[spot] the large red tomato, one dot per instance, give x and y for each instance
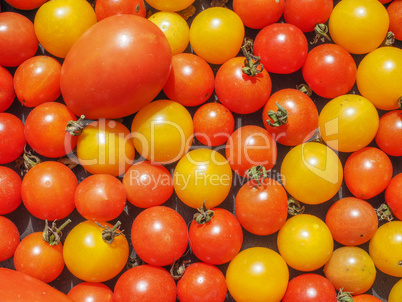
(117, 67)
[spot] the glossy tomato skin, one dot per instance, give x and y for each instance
(259, 13)
(302, 120)
(395, 294)
(45, 130)
(389, 133)
(191, 80)
(9, 239)
(366, 298)
(170, 5)
(393, 197)
(308, 288)
(87, 291)
(282, 47)
(10, 190)
(48, 190)
(202, 282)
(18, 41)
(90, 258)
(239, 92)
(329, 70)
(262, 209)
(107, 8)
(88, 87)
(12, 137)
(145, 283)
(257, 274)
(26, 4)
(37, 80)
(159, 235)
(394, 10)
(368, 172)
(7, 93)
(217, 241)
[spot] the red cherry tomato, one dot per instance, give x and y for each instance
(10, 190)
(393, 196)
(26, 4)
(395, 18)
(12, 138)
(9, 238)
(107, 8)
(91, 291)
(365, 298)
(389, 134)
(7, 93)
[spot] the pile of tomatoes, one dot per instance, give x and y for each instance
(244, 150)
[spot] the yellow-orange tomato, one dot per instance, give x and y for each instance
(170, 5)
(395, 294)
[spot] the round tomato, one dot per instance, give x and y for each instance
(89, 257)
(259, 13)
(389, 134)
(59, 23)
(282, 48)
(162, 131)
(37, 80)
(26, 4)
(91, 291)
(107, 8)
(202, 282)
(352, 221)
(159, 235)
(12, 137)
(239, 91)
(329, 70)
(170, 5)
(393, 196)
(10, 190)
(305, 242)
(45, 130)
(202, 175)
(396, 292)
(48, 189)
(312, 173)
(216, 34)
(394, 10)
(379, 76)
(299, 121)
(385, 248)
(18, 41)
(148, 184)
(257, 274)
(90, 88)
(366, 298)
(368, 172)
(191, 80)
(358, 26)
(348, 123)
(9, 238)
(7, 93)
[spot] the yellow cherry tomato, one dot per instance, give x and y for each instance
(175, 29)
(59, 23)
(395, 294)
(170, 5)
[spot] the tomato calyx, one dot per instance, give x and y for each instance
(257, 174)
(69, 161)
(177, 269)
(278, 118)
(134, 261)
(203, 215)
(75, 127)
(109, 234)
(400, 102)
(295, 207)
(219, 3)
(384, 213)
(26, 161)
(321, 33)
(389, 39)
(306, 89)
(52, 235)
(344, 296)
(252, 63)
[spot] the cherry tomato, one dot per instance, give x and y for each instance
(378, 77)
(100, 197)
(216, 34)
(105, 147)
(18, 41)
(162, 131)
(257, 274)
(393, 196)
(26, 4)
(7, 93)
(170, 5)
(365, 298)
(191, 80)
(9, 238)
(301, 122)
(240, 91)
(59, 23)
(45, 130)
(250, 146)
(282, 47)
(147, 184)
(394, 10)
(89, 257)
(306, 14)
(213, 124)
(368, 172)
(37, 80)
(385, 248)
(202, 175)
(329, 70)
(12, 137)
(48, 189)
(312, 173)
(145, 283)
(396, 292)
(305, 242)
(107, 8)
(352, 221)
(351, 269)
(159, 235)
(202, 282)
(262, 208)
(348, 123)
(310, 287)
(258, 13)
(358, 26)
(10, 190)
(139, 78)
(91, 291)
(389, 134)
